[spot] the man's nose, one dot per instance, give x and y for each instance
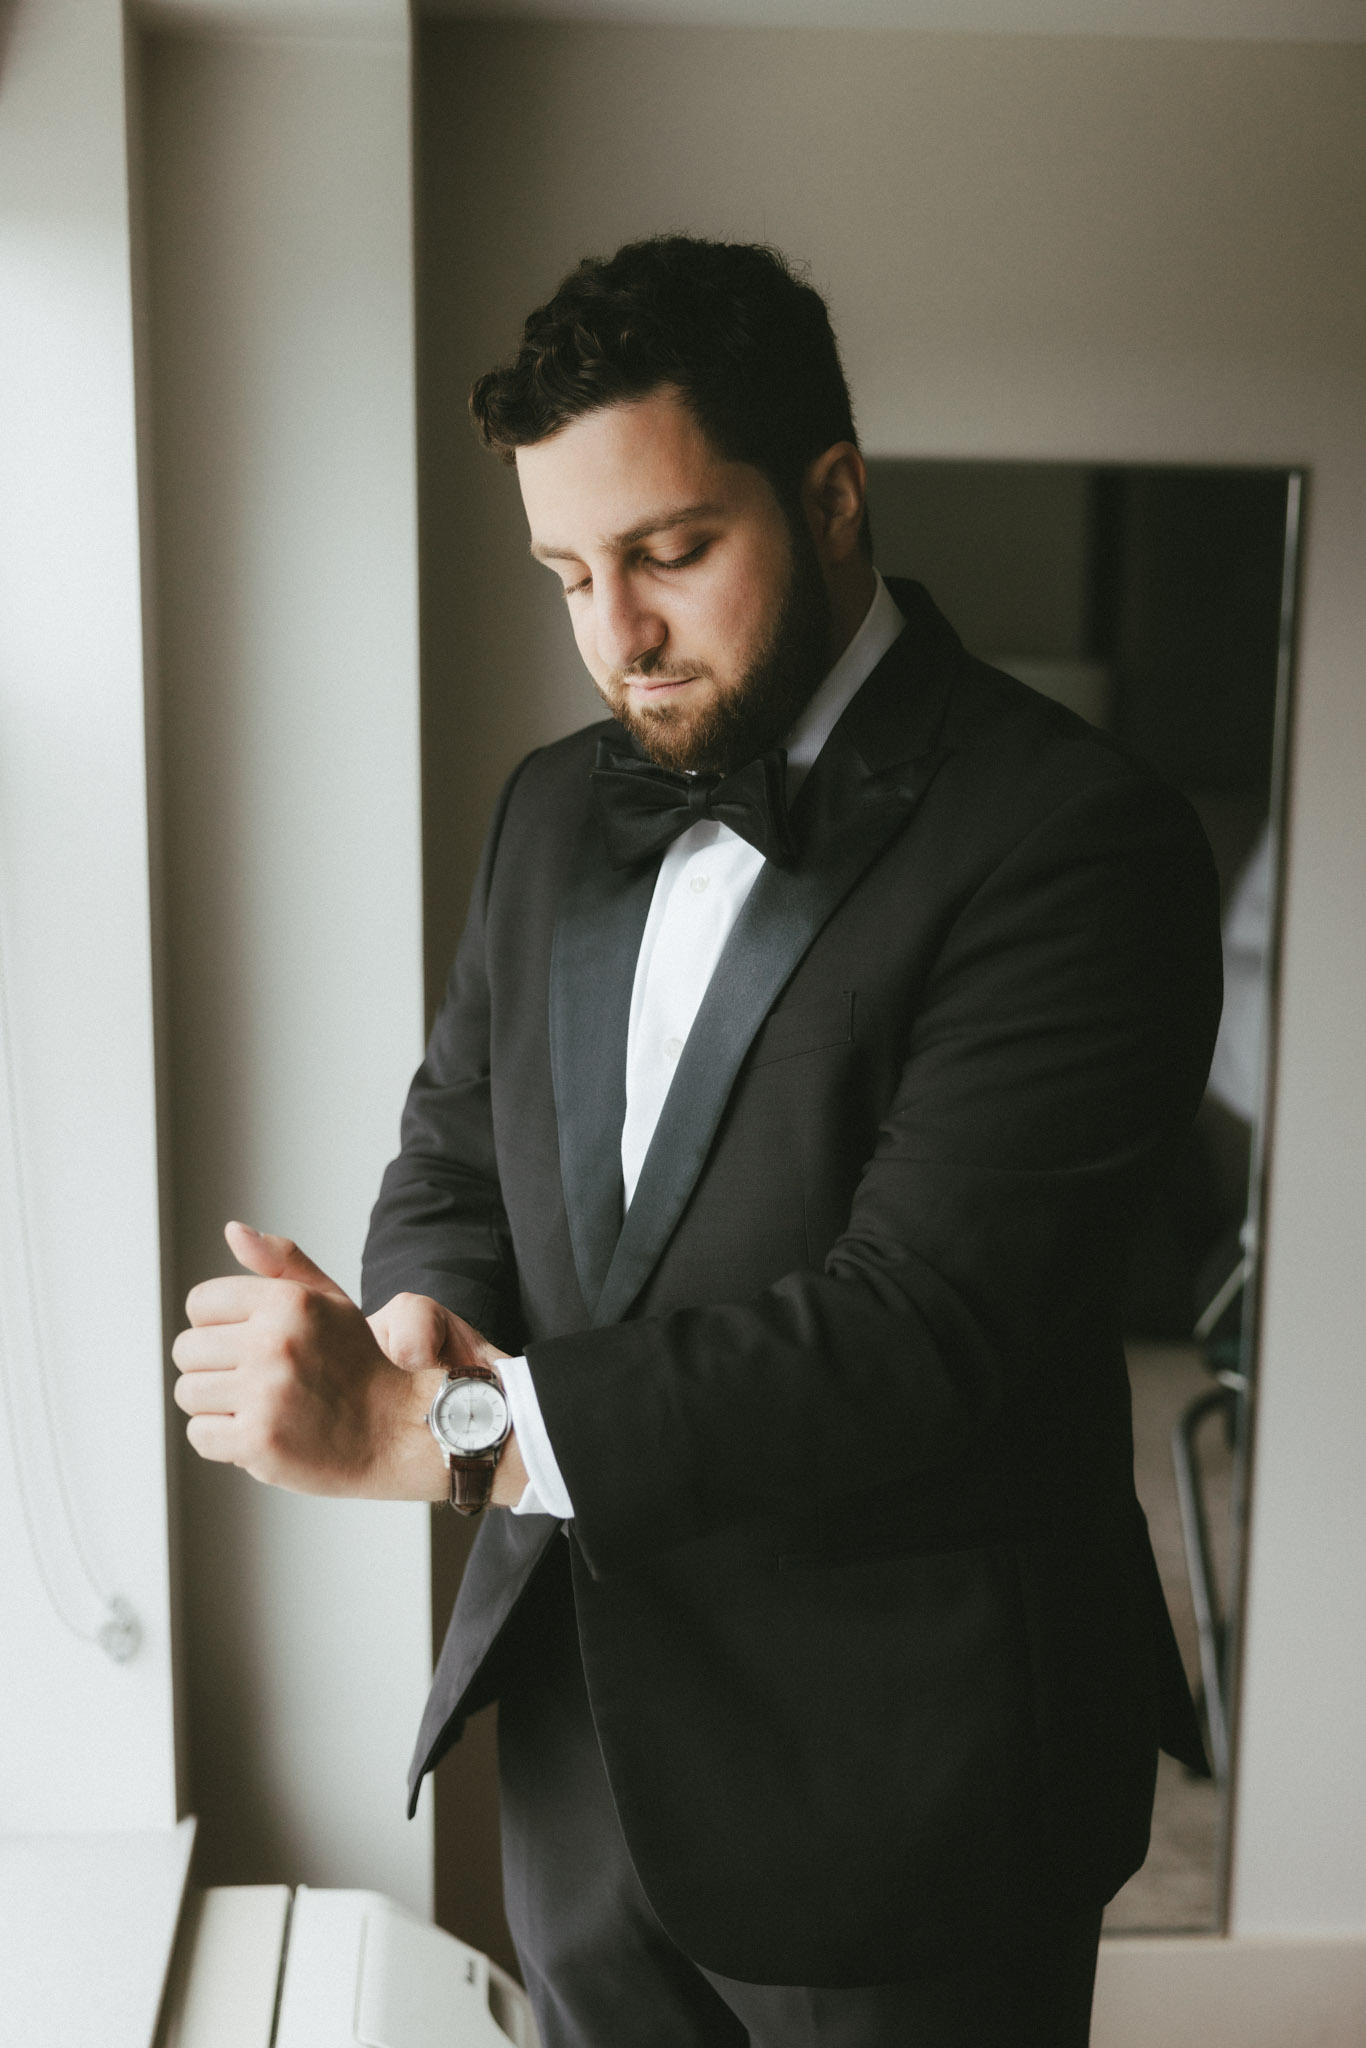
(628, 629)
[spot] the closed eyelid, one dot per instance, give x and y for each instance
(680, 561)
(550, 552)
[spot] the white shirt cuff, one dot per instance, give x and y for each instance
(546, 1492)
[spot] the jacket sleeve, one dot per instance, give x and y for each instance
(439, 1226)
(1060, 1043)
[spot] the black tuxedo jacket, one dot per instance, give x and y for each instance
(872, 1632)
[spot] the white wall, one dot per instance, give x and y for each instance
(84, 1743)
(1033, 247)
(279, 252)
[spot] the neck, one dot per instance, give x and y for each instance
(850, 585)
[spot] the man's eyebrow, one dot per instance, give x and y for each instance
(658, 523)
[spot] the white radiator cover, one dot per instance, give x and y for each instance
(360, 1972)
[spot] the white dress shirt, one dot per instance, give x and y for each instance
(703, 881)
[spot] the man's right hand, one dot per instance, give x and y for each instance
(281, 1374)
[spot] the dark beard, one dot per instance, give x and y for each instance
(765, 703)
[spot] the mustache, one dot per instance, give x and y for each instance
(657, 670)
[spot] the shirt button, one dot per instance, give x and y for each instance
(699, 883)
(672, 1048)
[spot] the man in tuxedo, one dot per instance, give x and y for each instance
(756, 1241)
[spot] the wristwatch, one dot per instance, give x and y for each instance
(471, 1421)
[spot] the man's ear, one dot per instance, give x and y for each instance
(834, 493)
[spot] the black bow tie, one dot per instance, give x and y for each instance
(642, 808)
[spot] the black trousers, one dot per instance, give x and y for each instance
(600, 1970)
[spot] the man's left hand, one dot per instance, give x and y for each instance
(418, 1334)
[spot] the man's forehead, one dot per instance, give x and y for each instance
(620, 474)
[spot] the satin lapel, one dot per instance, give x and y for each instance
(592, 968)
(848, 816)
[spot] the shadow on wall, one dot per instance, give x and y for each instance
(9, 15)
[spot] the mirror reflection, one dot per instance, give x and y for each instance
(1158, 603)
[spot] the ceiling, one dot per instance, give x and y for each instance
(1319, 21)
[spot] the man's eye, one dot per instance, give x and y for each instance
(679, 561)
(575, 589)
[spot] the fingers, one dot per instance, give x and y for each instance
(207, 1393)
(281, 1375)
(214, 1347)
(278, 1258)
(232, 1299)
(215, 1437)
(416, 1333)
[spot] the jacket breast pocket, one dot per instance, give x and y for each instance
(807, 1027)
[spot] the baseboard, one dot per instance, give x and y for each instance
(1203, 1991)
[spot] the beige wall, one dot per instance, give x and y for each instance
(1033, 248)
(284, 500)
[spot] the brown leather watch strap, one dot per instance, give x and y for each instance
(472, 1482)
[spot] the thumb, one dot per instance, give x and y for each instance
(278, 1258)
(415, 1332)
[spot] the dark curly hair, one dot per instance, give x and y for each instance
(746, 343)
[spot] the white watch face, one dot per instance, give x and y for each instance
(469, 1416)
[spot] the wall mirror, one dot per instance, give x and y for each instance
(1159, 603)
